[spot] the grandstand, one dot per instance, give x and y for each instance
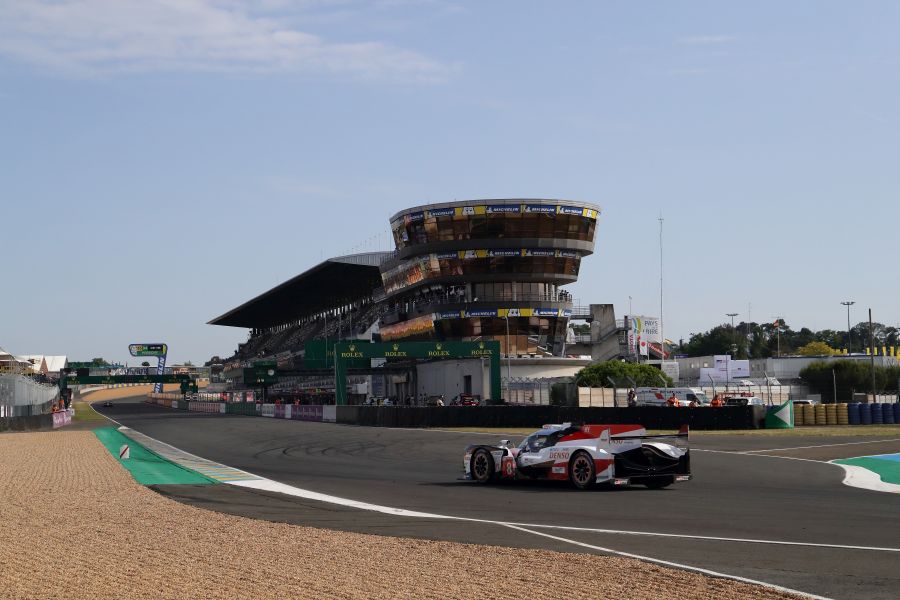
(463, 271)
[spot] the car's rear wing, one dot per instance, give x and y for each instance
(620, 442)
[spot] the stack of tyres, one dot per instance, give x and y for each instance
(853, 413)
(865, 414)
(887, 414)
(842, 417)
(820, 418)
(809, 414)
(877, 414)
(897, 412)
(831, 414)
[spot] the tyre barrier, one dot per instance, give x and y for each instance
(809, 414)
(897, 412)
(853, 413)
(831, 414)
(842, 416)
(820, 418)
(877, 414)
(887, 414)
(865, 414)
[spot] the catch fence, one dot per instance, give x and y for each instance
(21, 396)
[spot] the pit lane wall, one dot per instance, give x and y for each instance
(651, 417)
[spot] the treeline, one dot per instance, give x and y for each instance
(762, 340)
(621, 374)
(847, 377)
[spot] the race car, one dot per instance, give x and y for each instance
(586, 455)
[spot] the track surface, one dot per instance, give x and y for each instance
(747, 496)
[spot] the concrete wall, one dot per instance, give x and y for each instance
(604, 333)
(446, 376)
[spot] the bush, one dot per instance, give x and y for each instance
(599, 374)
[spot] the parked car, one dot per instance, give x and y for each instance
(585, 455)
(657, 396)
(464, 400)
(744, 401)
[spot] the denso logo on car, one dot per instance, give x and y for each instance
(559, 455)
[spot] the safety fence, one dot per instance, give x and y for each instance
(21, 396)
(296, 412)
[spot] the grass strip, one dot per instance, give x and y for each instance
(147, 467)
(85, 414)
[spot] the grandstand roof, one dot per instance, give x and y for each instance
(331, 283)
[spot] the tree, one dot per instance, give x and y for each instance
(721, 339)
(188, 363)
(99, 362)
(599, 375)
(849, 376)
(816, 349)
(145, 364)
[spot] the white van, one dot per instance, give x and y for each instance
(657, 396)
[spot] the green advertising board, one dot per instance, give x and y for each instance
(264, 372)
(65, 381)
(319, 354)
(346, 352)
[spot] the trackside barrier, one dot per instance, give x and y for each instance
(820, 418)
(241, 408)
(877, 414)
(853, 413)
(888, 414)
(652, 417)
(831, 414)
(865, 414)
(32, 423)
(842, 414)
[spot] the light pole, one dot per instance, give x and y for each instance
(733, 334)
(848, 304)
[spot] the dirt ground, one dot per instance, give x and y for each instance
(75, 525)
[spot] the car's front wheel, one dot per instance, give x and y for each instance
(481, 466)
(582, 472)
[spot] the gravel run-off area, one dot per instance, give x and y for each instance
(73, 524)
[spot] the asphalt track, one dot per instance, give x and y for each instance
(767, 496)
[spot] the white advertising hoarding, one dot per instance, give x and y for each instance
(642, 331)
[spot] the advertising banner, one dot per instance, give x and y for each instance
(642, 331)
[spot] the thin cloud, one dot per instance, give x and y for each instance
(705, 40)
(99, 37)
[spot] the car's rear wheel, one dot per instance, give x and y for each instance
(658, 483)
(582, 472)
(481, 466)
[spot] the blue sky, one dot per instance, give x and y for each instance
(162, 162)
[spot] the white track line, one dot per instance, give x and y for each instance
(896, 439)
(760, 455)
(668, 563)
(860, 477)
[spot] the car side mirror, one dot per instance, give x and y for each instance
(504, 442)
